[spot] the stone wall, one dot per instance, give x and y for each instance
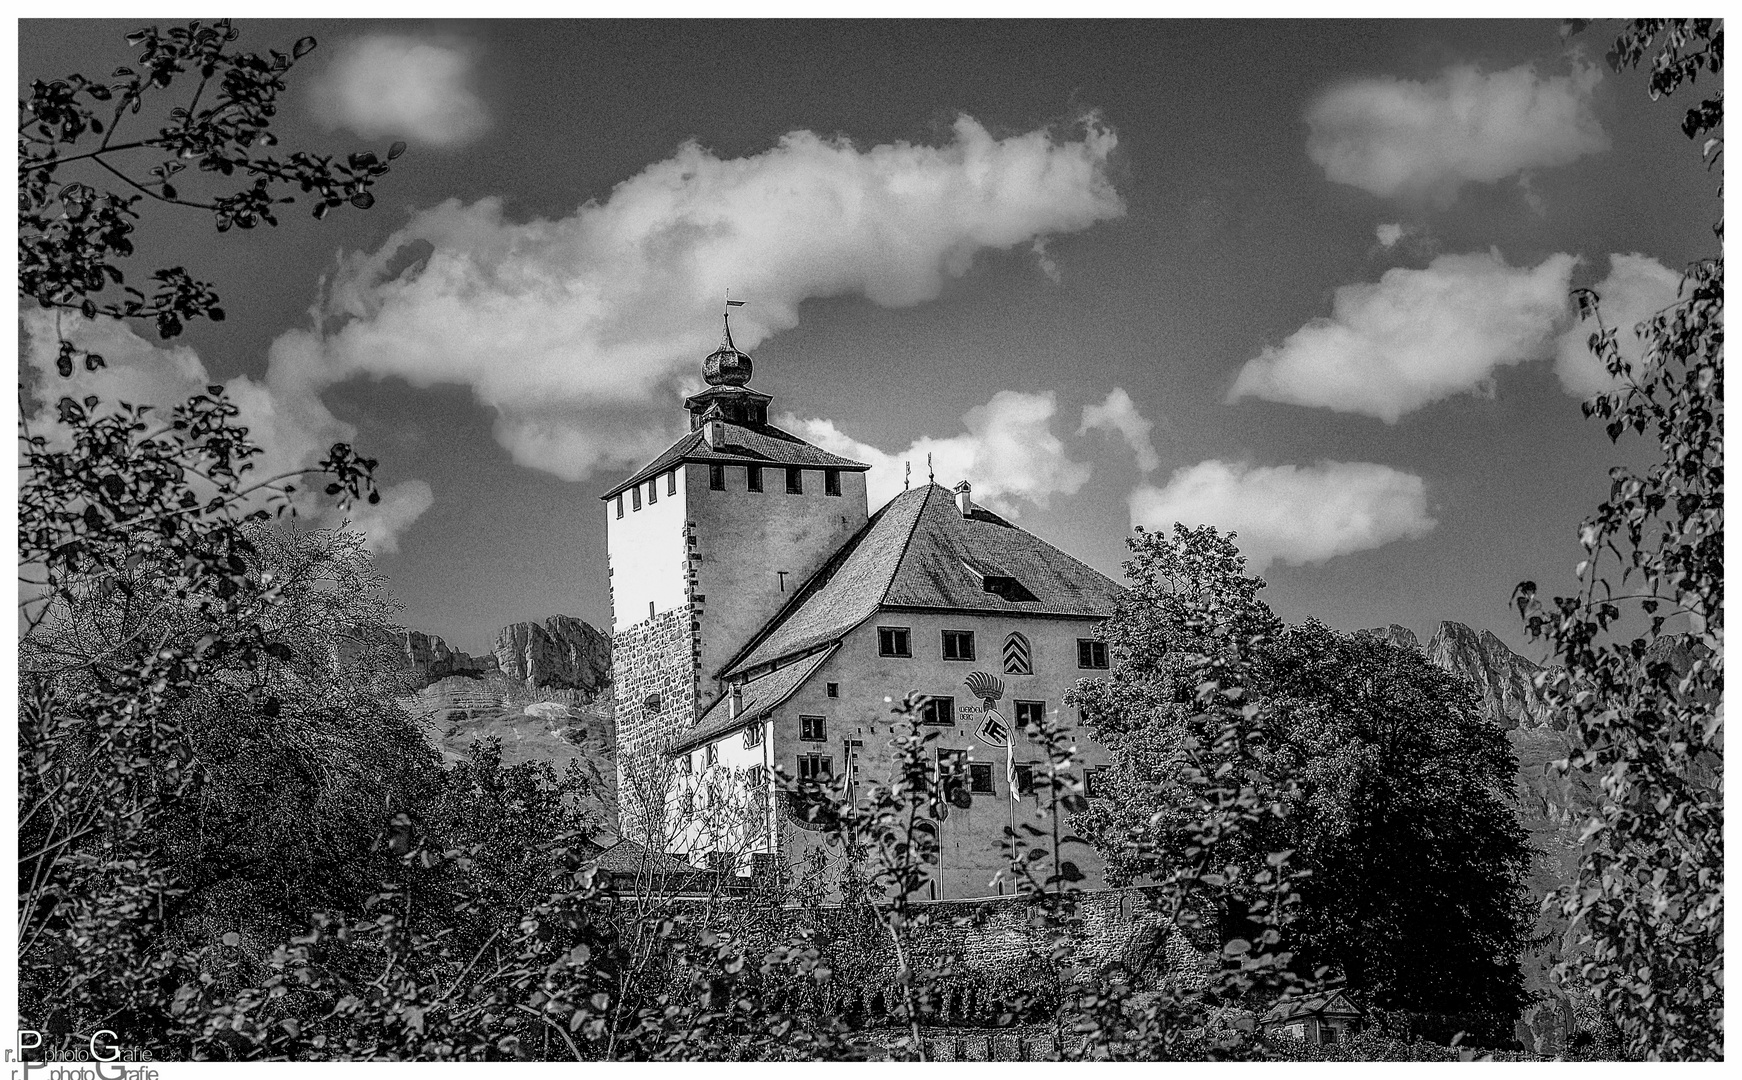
(997, 947)
(654, 675)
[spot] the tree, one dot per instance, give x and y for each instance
(1640, 642)
(134, 528)
(1390, 783)
(1418, 892)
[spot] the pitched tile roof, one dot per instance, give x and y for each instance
(760, 696)
(1323, 1003)
(920, 552)
(745, 444)
(628, 857)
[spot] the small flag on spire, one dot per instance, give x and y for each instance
(736, 303)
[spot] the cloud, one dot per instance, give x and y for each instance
(1291, 513)
(1398, 137)
(576, 330)
(1637, 288)
(1388, 234)
(1415, 336)
(1008, 453)
(395, 85)
(1119, 415)
(284, 418)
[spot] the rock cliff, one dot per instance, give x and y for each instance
(563, 653)
(1505, 680)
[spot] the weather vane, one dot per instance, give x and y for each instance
(907, 475)
(730, 304)
(929, 475)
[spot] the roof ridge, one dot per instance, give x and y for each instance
(906, 543)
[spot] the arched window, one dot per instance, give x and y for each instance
(1017, 659)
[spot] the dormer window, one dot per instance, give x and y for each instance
(1007, 588)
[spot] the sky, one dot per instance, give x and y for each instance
(1305, 281)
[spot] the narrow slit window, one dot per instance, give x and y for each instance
(831, 481)
(671, 482)
(716, 478)
(794, 481)
(753, 477)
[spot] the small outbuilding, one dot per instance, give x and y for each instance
(1318, 1019)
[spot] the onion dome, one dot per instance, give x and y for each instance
(726, 366)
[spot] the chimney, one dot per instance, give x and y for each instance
(964, 498)
(714, 431)
(735, 704)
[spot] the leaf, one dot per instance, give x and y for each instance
(302, 47)
(395, 150)
(362, 200)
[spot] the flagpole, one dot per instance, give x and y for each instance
(1010, 781)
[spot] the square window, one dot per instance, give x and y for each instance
(811, 728)
(716, 478)
(834, 689)
(653, 491)
(752, 736)
(671, 482)
(893, 641)
(938, 710)
(1091, 653)
(1024, 779)
(958, 644)
(831, 481)
(619, 506)
(1030, 712)
(753, 477)
(980, 778)
(753, 776)
(794, 481)
(635, 497)
(815, 767)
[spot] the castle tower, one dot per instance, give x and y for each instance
(706, 543)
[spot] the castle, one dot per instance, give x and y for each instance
(763, 618)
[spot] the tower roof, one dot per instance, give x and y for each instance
(921, 552)
(741, 444)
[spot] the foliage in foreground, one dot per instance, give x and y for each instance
(1647, 909)
(1396, 786)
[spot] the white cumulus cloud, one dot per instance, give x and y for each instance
(573, 330)
(1399, 137)
(1388, 234)
(1119, 415)
(396, 85)
(1415, 336)
(286, 419)
(1009, 454)
(1288, 513)
(1637, 288)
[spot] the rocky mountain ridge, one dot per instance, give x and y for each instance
(1506, 681)
(561, 653)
